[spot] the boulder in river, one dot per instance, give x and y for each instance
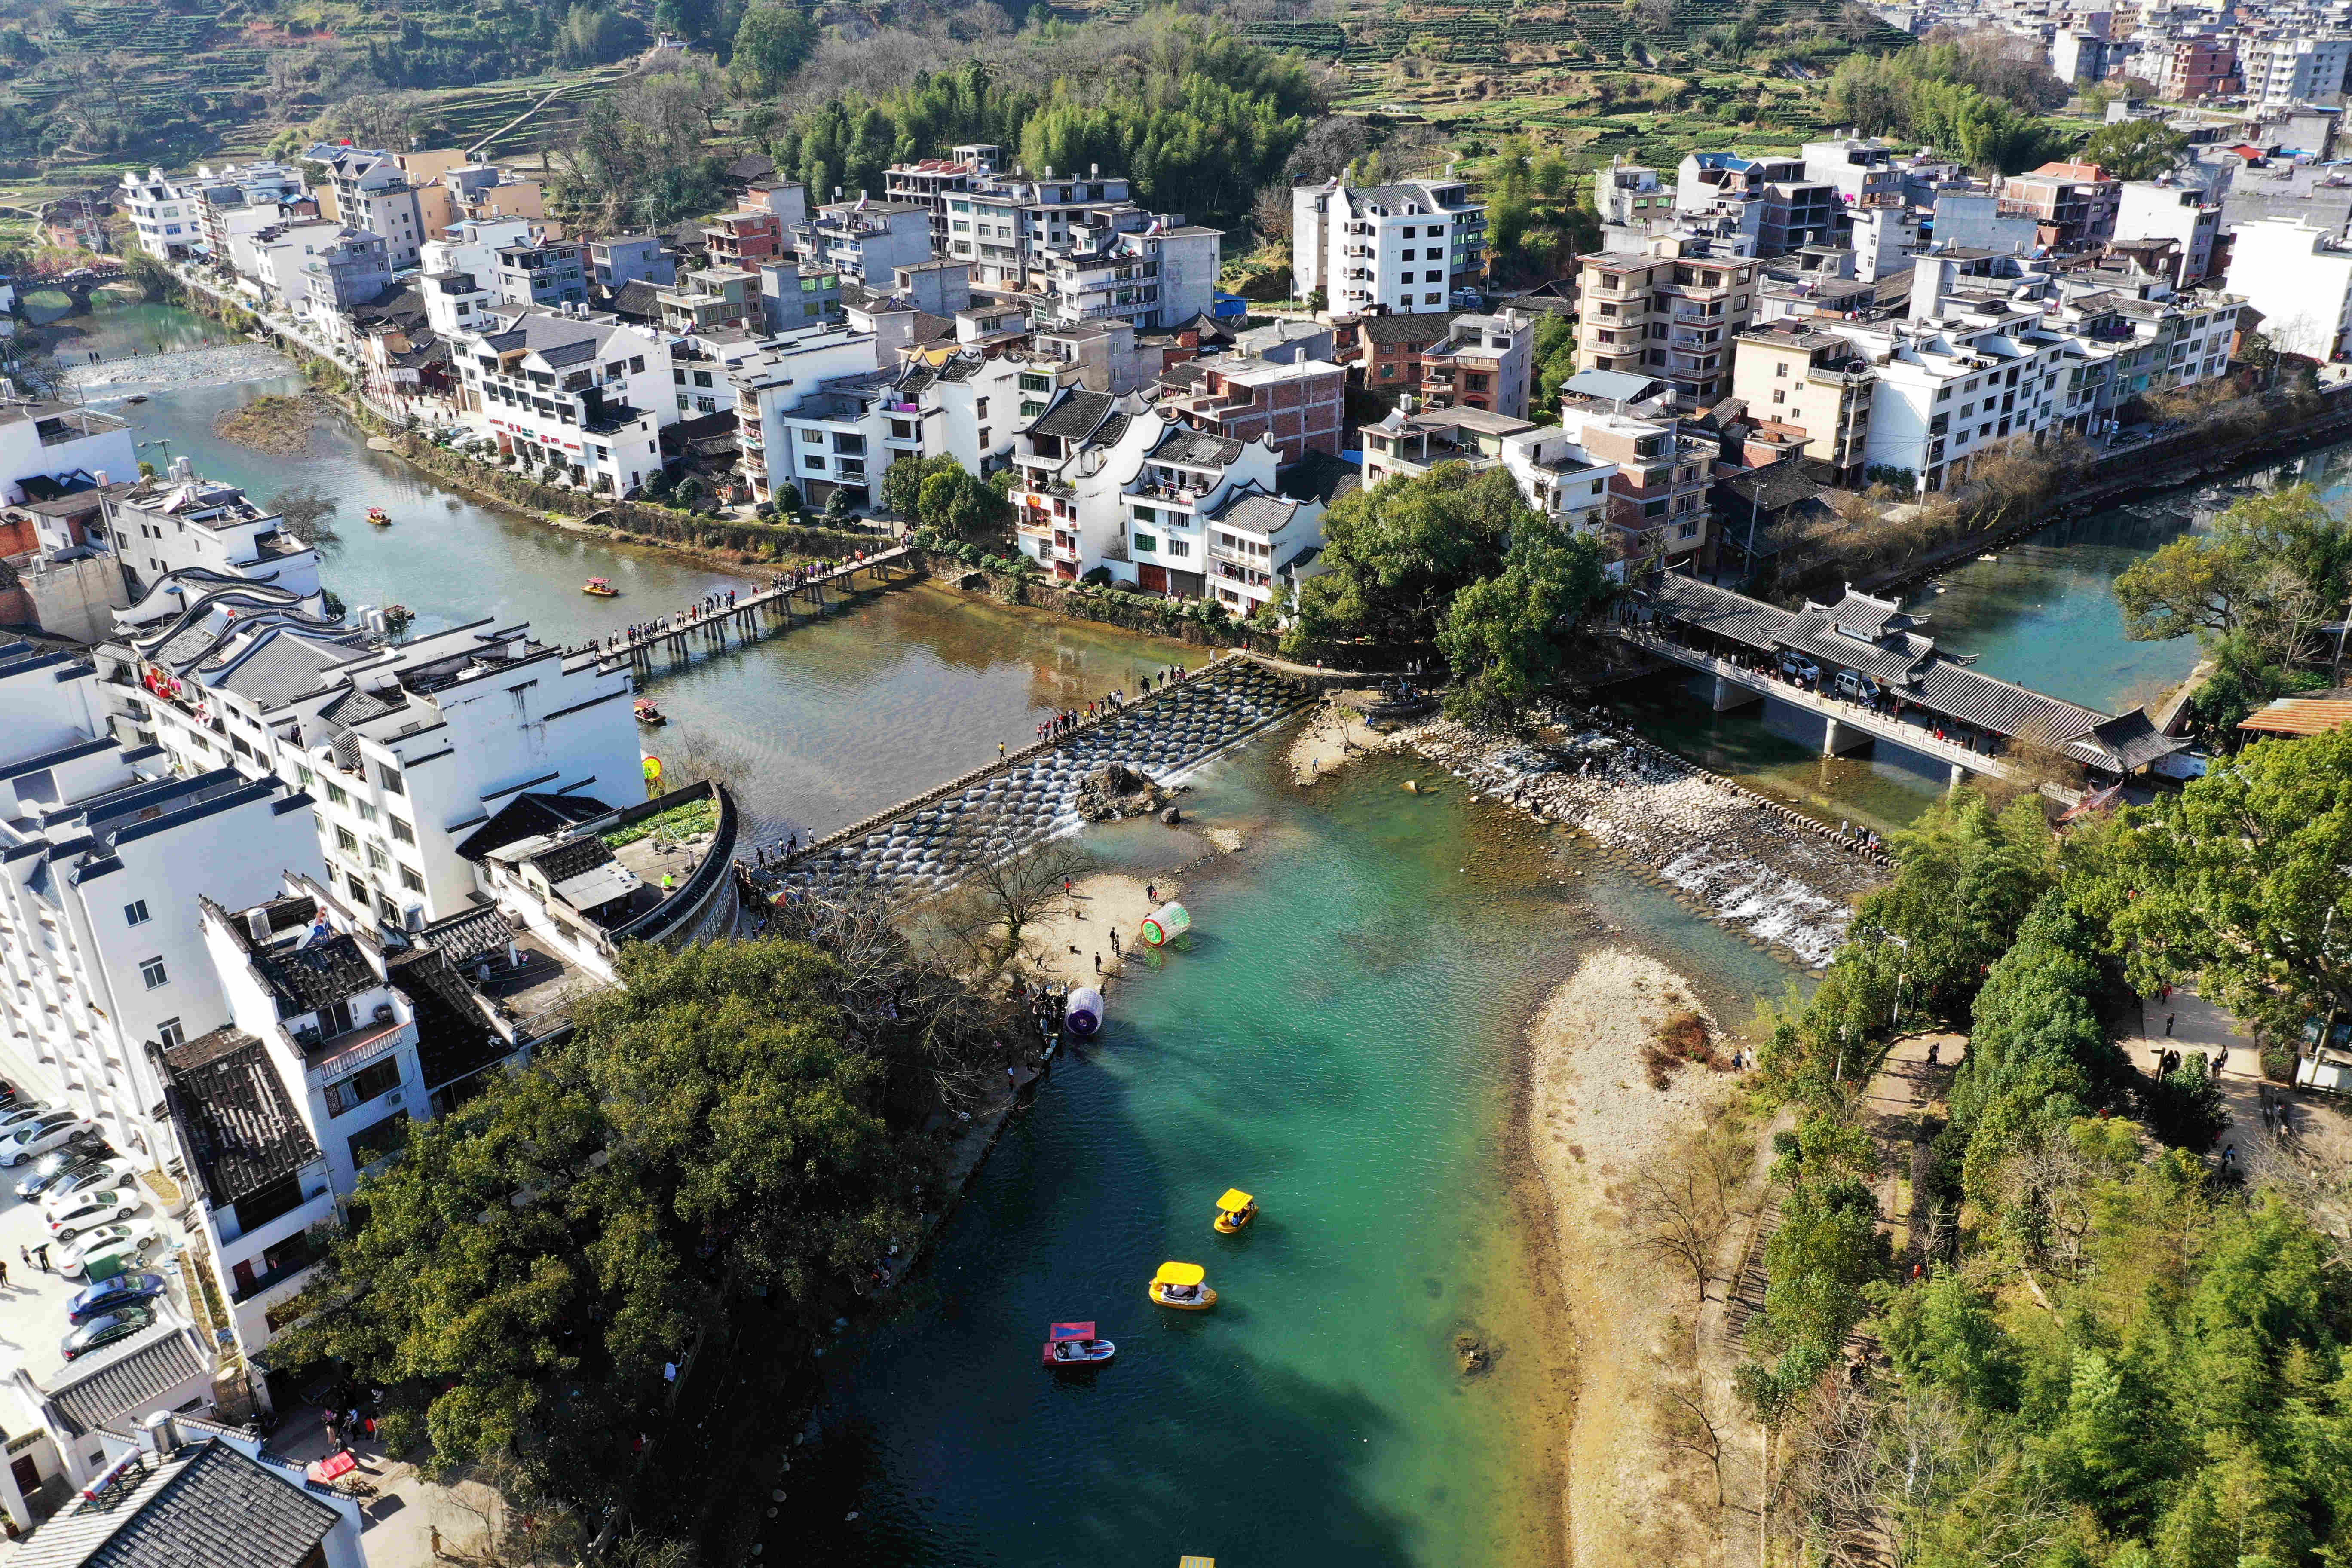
(1116, 790)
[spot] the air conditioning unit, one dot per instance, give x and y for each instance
(393, 1099)
(384, 1013)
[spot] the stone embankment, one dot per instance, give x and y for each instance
(929, 844)
(1755, 865)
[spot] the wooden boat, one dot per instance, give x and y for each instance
(1234, 1210)
(601, 588)
(1076, 1344)
(647, 713)
(1180, 1285)
(379, 517)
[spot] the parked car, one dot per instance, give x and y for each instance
(130, 1240)
(57, 1166)
(39, 1137)
(7, 1092)
(108, 1295)
(82, 1176)
(105, 1329)
(92, 1208)
(1800, 669)
(25, 1111)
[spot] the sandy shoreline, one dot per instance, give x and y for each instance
(1063, 946)
(1333, 737)
(1594, 1124)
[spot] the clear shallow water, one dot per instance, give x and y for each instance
(2042, 613)
(1343, 1040)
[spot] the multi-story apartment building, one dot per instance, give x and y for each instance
(184, 524)
(546, 273)
(2299, 275)
(162, 213)
(366, 189)
(1861, 172)
(1792, 208)
(479, 193)
(1793, 373)
(795, 294)
(269, 261)
(1400, 248)
(832, 445)
(1628, 196)
(711, 298)
(246, 199)
(584, 394)
(1006, 224)
(1555, 476)
(1388, 348)
(970, 403)
(744, 238)
(405, 749)
(1671, 312)
(1299, 408)
(865, 241)
(2180, 212)
(1159, 275)
(929, 182)
(2073, 206)
(1953, 389)
(1657, 501)
(2078, 56)
(100, 854)
(352, 268)
(623, 259)
(62, 443)
(2299, 65)
(1483, 361)
(2198, 69)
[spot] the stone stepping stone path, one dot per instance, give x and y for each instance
(932, 844)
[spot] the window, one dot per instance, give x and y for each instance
(377, 858)
(1778, 396)
(389, 777)
(1686, 531)
(678, 377)
(335, 793)
(367, 813)
(812, 437)
(402, 831)
(151, 970)
(169, 1034)
(135, 912)
(370, 1082)
(410, 879)
(636, 364)
(702, 378)
(1147, 541)
(1179, 547)
(347, 841)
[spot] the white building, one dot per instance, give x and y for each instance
(1400, 248)
(2301, 67)
(63, 443)
(184, 522)
(101, 854)
(272, 261)
(834, 446)
(970, 405)
(585, 395)
(1948, 391)
(163, 214)
(404, 749)
(1161, 276)
(2184, 213)
(366, 189)
(2299, 277)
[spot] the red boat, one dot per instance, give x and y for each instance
(1075, 1344)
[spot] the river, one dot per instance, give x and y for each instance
(1343, 1037)
(2041, 611)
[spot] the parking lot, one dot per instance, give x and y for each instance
(33, 1304)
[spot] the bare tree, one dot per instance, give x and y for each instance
(988, 915)
(305, 511)
(1681, 1219)
(1682, 1417)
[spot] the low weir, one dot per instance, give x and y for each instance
(929, 843)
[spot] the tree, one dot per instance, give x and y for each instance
(2268, 562)
(2135, 149)
(1505, 637)
(1396, 554)
(902, 481)
(2239, 882)
(953, 501)
(770, 47)
(305, 511)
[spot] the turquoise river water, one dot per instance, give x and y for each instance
(1342, 1037)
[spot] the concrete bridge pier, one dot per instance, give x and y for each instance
(1838, 739)
(1959, 777)
(1730, 694)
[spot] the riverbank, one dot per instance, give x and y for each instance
(274, 427)
(1599, 1133)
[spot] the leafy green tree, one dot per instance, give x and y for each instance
(902, 481)
(2271, 570)
(961, 506)
(1397, 554)
(1505, 637)
(2135, 149)
(770, 47)
(2239, 882)
(1945, 1332)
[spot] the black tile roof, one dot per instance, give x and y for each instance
(1196, 448)
(1075, 416)
(564, 861)
(123, 1387)
(233, 1111)
(206, 1507)
(1708, 608)
(328, 970)
(528, 816)
(454, 1040)
(1318, 476)
(1408, 331)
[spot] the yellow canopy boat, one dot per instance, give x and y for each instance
(1234, 1210)
(1178, 1284)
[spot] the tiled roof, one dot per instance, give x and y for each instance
(1256, 510)
(284, 667)
(207, 1506)
(1318, 476)
(2002, 706)
(1708, 608)
(233, 1109)
(1812, 632)
(330, 969)
(469, 934)
(1075, 417)
(565, 861)
(530, 816)
(1427, 327)
(1196, 448)
(121, 1388)
(453, 1039)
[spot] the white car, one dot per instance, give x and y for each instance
(92, 1209)
(25, 1111)
(99, 1177)
(130, 1240)
(39, 1137)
